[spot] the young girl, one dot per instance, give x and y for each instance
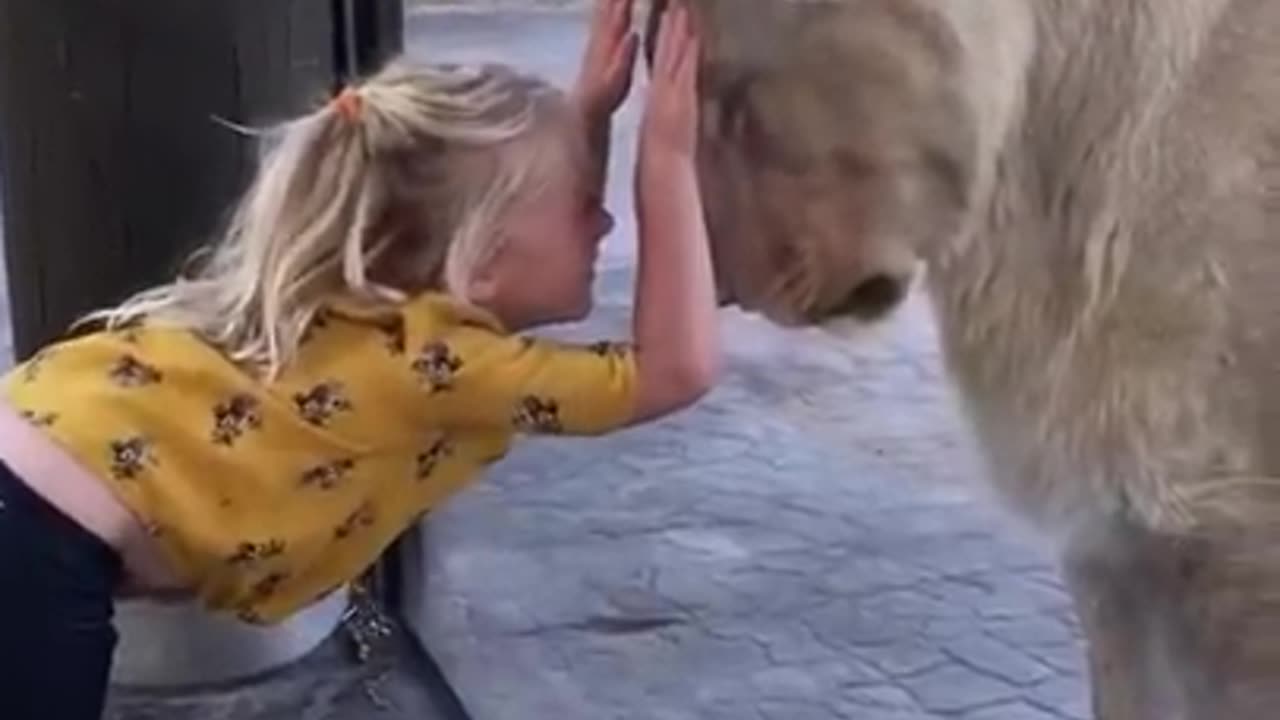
(344, 359)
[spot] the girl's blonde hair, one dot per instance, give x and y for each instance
(419, 160)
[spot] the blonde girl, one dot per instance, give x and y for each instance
(347, 355)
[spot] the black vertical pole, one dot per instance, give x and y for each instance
(368, 33)
(379, 32)
(114, 162)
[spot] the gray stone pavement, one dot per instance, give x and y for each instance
(812, 541)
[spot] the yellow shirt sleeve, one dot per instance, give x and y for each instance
(479, 377)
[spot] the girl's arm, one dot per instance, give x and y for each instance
(678, 354)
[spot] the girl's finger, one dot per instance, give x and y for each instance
(623, 60)
(689, 45)
(660, 49)
(600, 13)
(608, 18)
(667, 39)
(621, 16)
(679, 38)
(680, 77)
(620, 25)
(681, 43)
(689, 70)
(604, 20)
(686, 34)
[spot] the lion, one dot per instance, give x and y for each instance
(1089, 193)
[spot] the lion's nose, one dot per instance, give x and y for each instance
(873, 297)
(724, 292)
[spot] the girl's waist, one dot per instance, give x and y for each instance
(53, 474)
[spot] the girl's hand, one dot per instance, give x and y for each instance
(604, 79)
(678, 354)
(670, 123)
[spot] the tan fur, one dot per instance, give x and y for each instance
(1093, 190)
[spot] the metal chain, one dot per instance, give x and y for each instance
(370, 629)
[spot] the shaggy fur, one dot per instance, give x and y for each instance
(1093, 190)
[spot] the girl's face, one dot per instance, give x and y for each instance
(544, 269)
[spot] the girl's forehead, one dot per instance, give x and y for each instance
(574, 136)
(553, 183)
(566, 153)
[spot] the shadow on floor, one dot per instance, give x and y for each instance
(400, 682)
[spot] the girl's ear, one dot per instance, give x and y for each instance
(481, 289)
(481, 286)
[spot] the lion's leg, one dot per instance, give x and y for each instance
(1224, 605)
(1181, 627)
(1105, 574)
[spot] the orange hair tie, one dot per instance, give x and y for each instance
(348, 103)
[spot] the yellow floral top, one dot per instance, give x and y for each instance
(267, 497)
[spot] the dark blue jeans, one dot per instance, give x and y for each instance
(57, 583)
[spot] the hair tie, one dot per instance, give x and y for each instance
(349, 104)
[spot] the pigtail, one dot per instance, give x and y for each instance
(417, 159)
(300, 225)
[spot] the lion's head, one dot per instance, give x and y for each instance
(837, 146)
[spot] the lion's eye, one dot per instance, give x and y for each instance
(732, 121)
(733, 112)
(777, 152)
(852, 161)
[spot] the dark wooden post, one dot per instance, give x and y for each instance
(374, 34)
(113, 161)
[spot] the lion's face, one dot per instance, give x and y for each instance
(835, 148)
